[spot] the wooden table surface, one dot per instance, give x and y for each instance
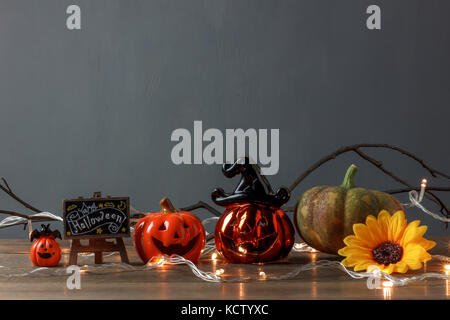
(178, 282)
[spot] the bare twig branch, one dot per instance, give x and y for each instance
(6, 184)
(395, 191)
(203, 205)
(356, 148)
(9, 192)
(432, 171)
(7, 189)
(443, 208)
(379, 165)
(137, 216)
(198, 205)
(345, 149)
(13, 213)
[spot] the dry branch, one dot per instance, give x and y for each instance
(444, 209)
(7, 189)
(429, 192)
(395, 191)
(9, 192)
(203, 205)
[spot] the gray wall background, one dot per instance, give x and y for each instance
(92, 110)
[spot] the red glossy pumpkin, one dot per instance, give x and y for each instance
(254, 233)
(169, 232)
(45, 251)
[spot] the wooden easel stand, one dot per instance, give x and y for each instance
(98, 247)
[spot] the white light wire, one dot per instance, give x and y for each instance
(14, 220)
(220, 277)
(416, 202)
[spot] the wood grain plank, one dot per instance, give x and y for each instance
(177, 282)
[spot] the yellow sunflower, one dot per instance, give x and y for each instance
(387, 242)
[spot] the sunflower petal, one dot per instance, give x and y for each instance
(421, 230)
(354, 241)
(389, 269)
(377, 234)
(401, 267)
(363, 233)
(412, 256)
(347, 263)
(384, 220)
(426, 244)
(351, 250)
(363, 265)
(397, 226)
(425, 257)
(355, 259)
(411, 233)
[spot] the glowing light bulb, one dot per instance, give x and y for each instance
(373, 269)
(240, 249)
(298, 246)
(447, 267)
(219, 272)
(314, 250)
(214, 256)
(262, 274)
(422, 189)
(157, 262)
(388, 284)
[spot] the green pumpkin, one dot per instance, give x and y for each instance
(324, 215)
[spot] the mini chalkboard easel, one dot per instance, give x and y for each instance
(97, 220)
(98, 247)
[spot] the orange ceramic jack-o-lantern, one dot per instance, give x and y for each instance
(45, 251)
(169, 232)
(253, 228)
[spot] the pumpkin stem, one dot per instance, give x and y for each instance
(167, 205)
(349, 182)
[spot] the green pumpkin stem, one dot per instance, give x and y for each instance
(349, 182)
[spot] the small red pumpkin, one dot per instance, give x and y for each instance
(45, 251)
(169, 232)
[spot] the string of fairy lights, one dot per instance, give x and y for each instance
(219, 275)
(416, 199)
(374, 276)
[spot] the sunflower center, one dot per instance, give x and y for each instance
(387, 253)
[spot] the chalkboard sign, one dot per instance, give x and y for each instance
(96, 218)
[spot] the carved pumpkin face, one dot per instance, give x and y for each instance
(45, 251)
(169, 232)
(254, 233)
